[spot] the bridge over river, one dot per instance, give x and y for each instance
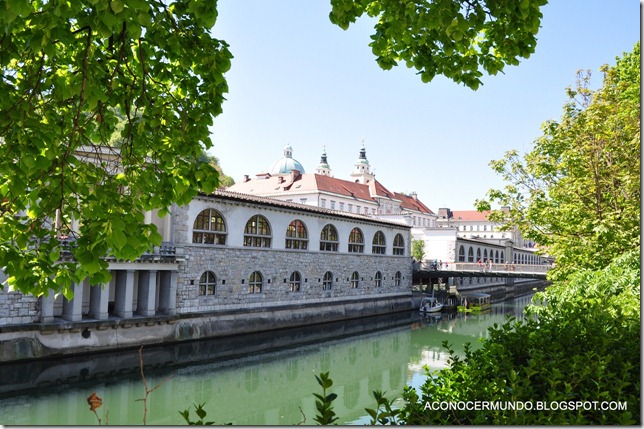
(469, 269)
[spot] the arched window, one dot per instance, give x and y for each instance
(399, 245)
(329, 239)
(378, 246)
(296, 236)
(461, 254)
(257, 232)
(485, 255)
(295, 281)
(209, 228)
(354, 280)
(255, 282)
(207, 283)
(496, 257)
(378, 279)
(397, 278)
(356, 241)
(470, 255)
(327, 282)
(503, 258)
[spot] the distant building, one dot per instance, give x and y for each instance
(475, 224)
(363, 194)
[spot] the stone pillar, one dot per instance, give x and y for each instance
(146, 302)
(99, 296)
(124, 293)
(73, 310)
(168, 293)
(167, 226)
(47, 307)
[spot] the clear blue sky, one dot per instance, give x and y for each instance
(297, 79)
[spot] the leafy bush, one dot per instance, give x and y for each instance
(579, 342)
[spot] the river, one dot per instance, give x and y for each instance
(259, 379)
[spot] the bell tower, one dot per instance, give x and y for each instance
(362, 170)
(323, 169)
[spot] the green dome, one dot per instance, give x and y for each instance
(287, 164)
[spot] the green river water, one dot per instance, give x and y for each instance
(259, 379)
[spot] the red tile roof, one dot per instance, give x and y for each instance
(470, 215)
(310, 183)
(411, 203)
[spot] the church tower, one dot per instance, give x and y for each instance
(323, 169)
(362, 173)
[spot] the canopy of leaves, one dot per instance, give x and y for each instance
(224, 180)
(459, 39)
(577, 193)
(74, 74)
(418, 249)
(582, 345)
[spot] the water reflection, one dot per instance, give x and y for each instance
(261, 379)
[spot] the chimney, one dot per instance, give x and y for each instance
(414, 195)
(246, 178)
(295, 174)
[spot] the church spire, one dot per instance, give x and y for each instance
(323, 169)
(361, 172)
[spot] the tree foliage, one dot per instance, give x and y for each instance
(582, 346)
(418, 249)
(71, 73)
(457, 39)
(224, 180)
(577, 193)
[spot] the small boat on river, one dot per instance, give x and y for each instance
(430, 304)
(475, 302)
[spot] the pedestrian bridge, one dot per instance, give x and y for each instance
(472, 269)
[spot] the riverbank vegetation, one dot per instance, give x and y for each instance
(575, 358)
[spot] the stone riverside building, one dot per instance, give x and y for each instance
(230, 263)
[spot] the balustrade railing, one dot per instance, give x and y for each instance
(484, 268)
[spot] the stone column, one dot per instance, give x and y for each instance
(99, 296)
(47, 307)
(167, 226)
(168, 293)
(146, 302)
(73, 310)
(124, 293)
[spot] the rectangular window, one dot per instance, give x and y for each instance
(332, 205)
(358, 209)
(350, 208)
(322, 202)
(341, 206)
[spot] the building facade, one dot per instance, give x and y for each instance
(362, 194)
(231, 264)
(474, 224)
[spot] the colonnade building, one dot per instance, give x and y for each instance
(230, 263)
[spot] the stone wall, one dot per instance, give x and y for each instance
(16, 309)
(233, 267)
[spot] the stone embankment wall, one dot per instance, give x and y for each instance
(23, 342)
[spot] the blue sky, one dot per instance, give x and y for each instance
(297, 79)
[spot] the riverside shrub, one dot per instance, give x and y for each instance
(576, 352)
